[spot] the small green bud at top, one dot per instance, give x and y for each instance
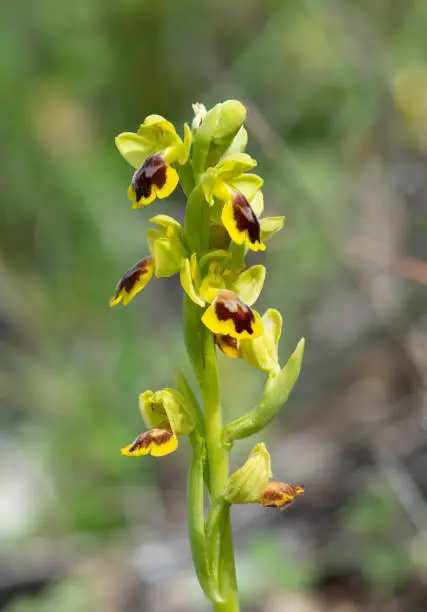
(247, 485)
(231, 117)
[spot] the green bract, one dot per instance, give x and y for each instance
(275, 394)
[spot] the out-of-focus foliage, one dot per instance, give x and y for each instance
(337, 97)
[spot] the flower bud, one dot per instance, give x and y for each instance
(262, 353)
(166, 244)
(230, 119)
(200, 113)
(166, 405)
(215, 134)
(246, 486)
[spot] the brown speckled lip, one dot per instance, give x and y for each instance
(132, 276)
(280, 494)
(229, 307)
(224, 341)
(152, 172)
(245, 217)
(159, 435)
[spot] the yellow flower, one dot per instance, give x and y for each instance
(280, 494)
(135, 279)
(241, 222)
(154, 179)
(152, 151)
(241, 197)
(229, 316)
(158, 441)
(166, 413)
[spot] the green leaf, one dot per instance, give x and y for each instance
(239, 142)
(275, 394)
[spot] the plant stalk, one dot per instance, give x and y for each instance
(219, 470)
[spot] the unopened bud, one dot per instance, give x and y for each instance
(247, 484)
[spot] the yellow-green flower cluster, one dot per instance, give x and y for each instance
(223, 223)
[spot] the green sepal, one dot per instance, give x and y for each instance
(167, 404)
(276, 392)
(239, 143)
(270, 226)
(219, 256)
(196, 525)
(167, 261)
(232, 166)
(262, 353)
(188, 283)
(247, 484)
(248, 184)
(133, 148)
(249, 284)
(166, 244)
(160, 132)
(257, 203)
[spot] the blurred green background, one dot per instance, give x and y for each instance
(336, 92)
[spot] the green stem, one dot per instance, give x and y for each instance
(219, 471)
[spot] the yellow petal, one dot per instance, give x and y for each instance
(169, 185)
(158, 441)
(228, 345)
(155, 178)
(241, 222)
(135, 279)
(229, 316)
